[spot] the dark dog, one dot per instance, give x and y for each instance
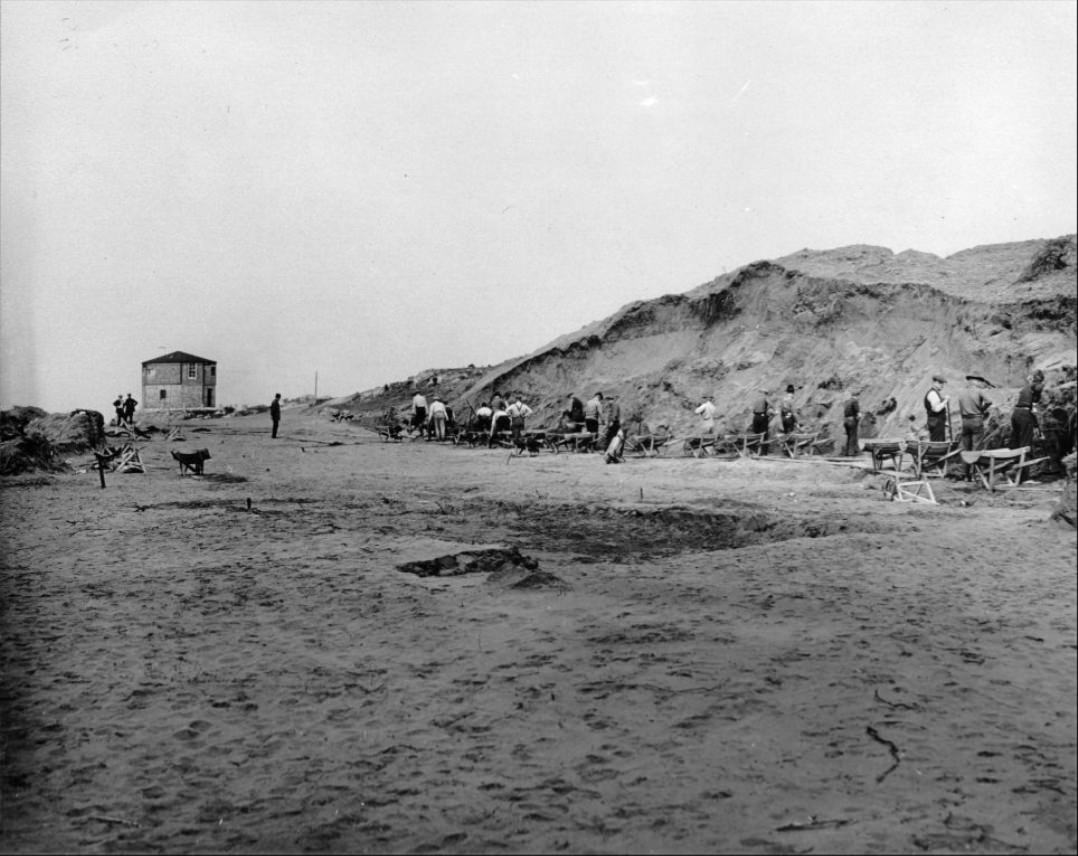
(191, 460)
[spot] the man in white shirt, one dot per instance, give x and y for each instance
(517, 411)
(483, 417)
(706, 412)
(438, 416)
(419, 411)
(593, 413)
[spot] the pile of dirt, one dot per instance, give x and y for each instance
(36, 440)
(13, 422)
(852, 319)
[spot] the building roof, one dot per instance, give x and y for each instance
(179, 357)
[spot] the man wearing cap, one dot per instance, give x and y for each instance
(706, 412)
(1024, 417)
(438, 417)
(851, 419)
(593, 411)
(518, 411)
(761, 418)
(973, 406)
(787, 413)
(936, 410)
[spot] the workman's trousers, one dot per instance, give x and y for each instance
(852, 449)
(759, 426)
(1022, 424)
(276, 422)
(439, 426)
(937, 428)
(972, 437)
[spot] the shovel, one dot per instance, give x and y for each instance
(983, 380)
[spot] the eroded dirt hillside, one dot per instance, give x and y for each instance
(828, 322)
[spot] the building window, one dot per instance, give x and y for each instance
(163, 394)
(213, 371)
(192, 371)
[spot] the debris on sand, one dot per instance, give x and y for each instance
(516, 577)
(507, 567)
(482, 561)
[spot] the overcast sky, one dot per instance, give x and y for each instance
(367, 190)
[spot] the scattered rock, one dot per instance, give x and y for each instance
(470, 562)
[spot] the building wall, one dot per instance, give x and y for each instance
(176, 386)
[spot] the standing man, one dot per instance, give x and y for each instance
(613, 421)
(974, 407)
(275, 413)
(483, 417)
(761, 418)
(438, 416)
(129, 409)
(1024, 417)
(707, 415)
(419, 411)
(851, 417)
(786, 411)
(517, 411)
(575, 413)
(936, 409)
(592, 412)
(118, 406)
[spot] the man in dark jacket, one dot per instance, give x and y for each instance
(761, 418)
(1024, 417)
(851, 418)
(129, 409)
(936, 410)
(575, 413)
(275, 413)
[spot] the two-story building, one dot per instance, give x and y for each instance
(179, 381)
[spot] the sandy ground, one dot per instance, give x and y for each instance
(752, 656)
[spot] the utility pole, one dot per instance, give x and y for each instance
(316, 386)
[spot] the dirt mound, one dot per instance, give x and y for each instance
(77, 431)
(13, 422)
(827, 322)
(35, 440)
(29, 454)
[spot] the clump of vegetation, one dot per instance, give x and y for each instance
(1057, 254)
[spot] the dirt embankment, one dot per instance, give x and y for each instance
(828, 322)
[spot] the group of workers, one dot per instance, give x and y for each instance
(762, 414)
(600, 416)
(973, 408)
(490, 418)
